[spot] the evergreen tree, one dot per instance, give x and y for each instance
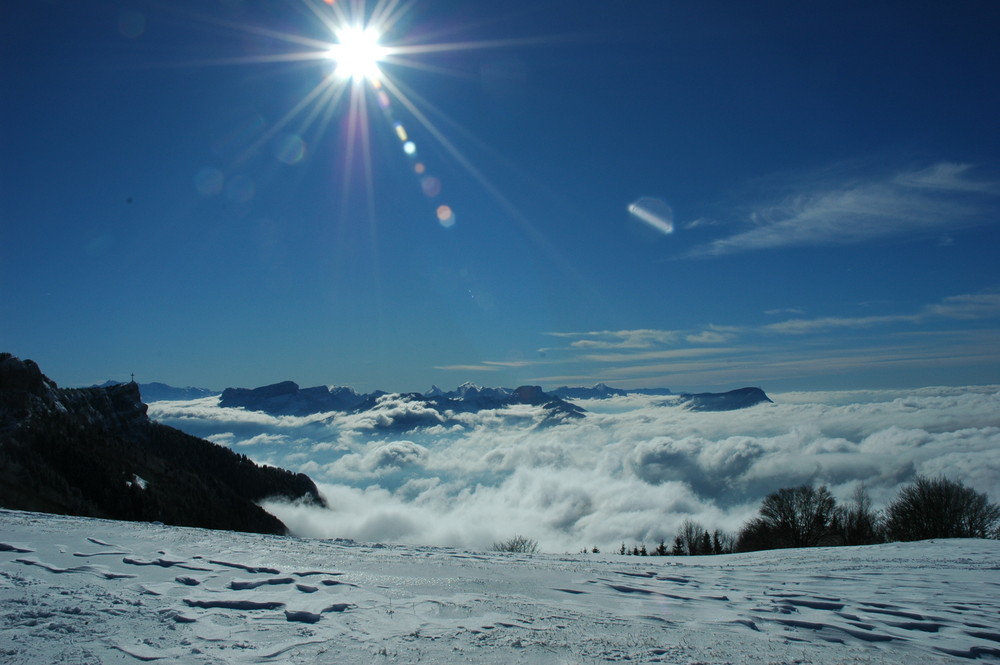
(705, 545)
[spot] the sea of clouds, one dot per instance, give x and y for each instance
(630, 471)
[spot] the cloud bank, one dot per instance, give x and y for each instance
(631, 471)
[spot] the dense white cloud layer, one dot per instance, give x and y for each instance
(632, 470)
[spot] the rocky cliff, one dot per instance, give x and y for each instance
(93, 452)
(740, 398)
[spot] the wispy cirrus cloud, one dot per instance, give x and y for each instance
(963, 307)
(803, 326)
(922, 341)
(918, 341)
(661, 354)
(941, 197)
(713, 335)
(618, 339)
(488, 366)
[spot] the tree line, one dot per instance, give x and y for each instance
(807, 516)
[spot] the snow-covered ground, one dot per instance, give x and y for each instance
(90, 591)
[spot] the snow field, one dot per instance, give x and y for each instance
(76, 590)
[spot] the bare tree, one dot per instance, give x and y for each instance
(941, 508)
(858, 523)
(517, 545)
(690, 539)
(791, 517)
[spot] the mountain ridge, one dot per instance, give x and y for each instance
(94, 452)
(288, 398)
(431, 408)
(741, 398)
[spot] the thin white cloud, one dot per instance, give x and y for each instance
(664, 354)
(509, 363)
(700, 223)
(945, 176)
(710, 337)
(618, 339)
(938, 198)
(803, 326)
(967, 306)
(714, 356)
(489, 366)
(964, 307)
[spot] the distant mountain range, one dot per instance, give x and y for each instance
(433, 407)
(421, 409)
(604, 391)
(158, 392)
(94, 452)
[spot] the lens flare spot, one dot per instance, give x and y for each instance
(240, 189)
(290, 149)
(401, 132)
(446, 216)
(131, 24)
(654, 212)
(431, 186)
(208, 181)
(383, 99)
(419, 168)
(410, 148)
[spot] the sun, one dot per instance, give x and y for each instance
(358, 53)
(360, 56)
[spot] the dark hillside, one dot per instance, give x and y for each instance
(93, 452)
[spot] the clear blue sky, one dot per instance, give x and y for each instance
(183, 195)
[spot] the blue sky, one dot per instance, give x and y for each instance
(184, 194)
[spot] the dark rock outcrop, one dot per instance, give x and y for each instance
(287, 399)
(740, 398)
(93, 452)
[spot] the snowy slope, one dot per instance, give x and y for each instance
(78, 590)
